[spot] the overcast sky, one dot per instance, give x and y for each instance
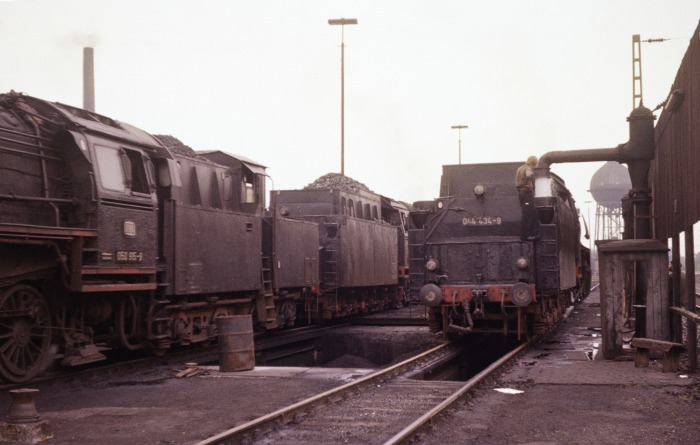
(262, 78)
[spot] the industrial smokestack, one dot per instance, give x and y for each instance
(88, 79)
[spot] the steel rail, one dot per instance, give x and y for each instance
(202, 354)
(410, 430)
(286, 413)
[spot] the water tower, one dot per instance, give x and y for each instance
(608, 186)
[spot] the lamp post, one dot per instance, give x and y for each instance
(590, 235)
(342, 23)
(459, 135)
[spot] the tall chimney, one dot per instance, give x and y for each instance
(88, 79)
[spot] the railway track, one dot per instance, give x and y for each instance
(385, 407)
(267, 345)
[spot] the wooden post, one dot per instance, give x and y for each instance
(611, 285)
(676, 327)
(692, 327)
(658, 308)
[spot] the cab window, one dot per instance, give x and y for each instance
(110, 167)
(121, 169)
(248, 189)
(136, 171)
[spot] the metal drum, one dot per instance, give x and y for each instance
(236, 347)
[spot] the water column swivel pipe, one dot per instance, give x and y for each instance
(636, 153)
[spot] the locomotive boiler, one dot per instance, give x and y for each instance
(110, 237)
(469, 265)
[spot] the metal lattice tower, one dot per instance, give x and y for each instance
(637, 67)
(608, 222)
(636, 71)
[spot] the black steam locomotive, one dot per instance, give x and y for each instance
(112, 237)
(470, 266)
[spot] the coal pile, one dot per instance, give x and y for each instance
(336, 181)
(175, 145)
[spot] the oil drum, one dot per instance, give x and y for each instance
(236, 346)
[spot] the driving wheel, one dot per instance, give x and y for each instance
(25, 333)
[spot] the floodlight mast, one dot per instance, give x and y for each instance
(459, 136)
(342, 23)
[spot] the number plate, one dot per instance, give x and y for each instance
(482, 221)
(129, 256)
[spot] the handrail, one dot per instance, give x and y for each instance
(687, 314)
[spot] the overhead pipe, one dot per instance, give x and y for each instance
(636, 153)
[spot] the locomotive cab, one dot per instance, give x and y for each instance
(78, 221)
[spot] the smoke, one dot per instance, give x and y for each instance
(81, 39)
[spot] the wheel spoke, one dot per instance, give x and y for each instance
(25, 339)
(7, 344)
(13, 353)
(36, 347)
(17, 360)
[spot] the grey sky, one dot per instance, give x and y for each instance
(262, 78)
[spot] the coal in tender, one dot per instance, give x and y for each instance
(176, 145)
(336, 181)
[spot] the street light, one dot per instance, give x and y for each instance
(590, 235)
(459, 135)
(342, 23)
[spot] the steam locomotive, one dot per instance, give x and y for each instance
(469, 265)
(111, 237)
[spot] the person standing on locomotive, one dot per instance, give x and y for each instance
(525, 183)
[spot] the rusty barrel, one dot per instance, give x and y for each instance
(236, 347)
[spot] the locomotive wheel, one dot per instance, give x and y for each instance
(159, 352)
(25, 333)
(128, 324)
(287, 313)
(159, 347)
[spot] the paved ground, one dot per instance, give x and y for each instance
(158, 408)
(569, 396)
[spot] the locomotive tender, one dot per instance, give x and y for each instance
(469, 265)
(363, 246)
(113, 238)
